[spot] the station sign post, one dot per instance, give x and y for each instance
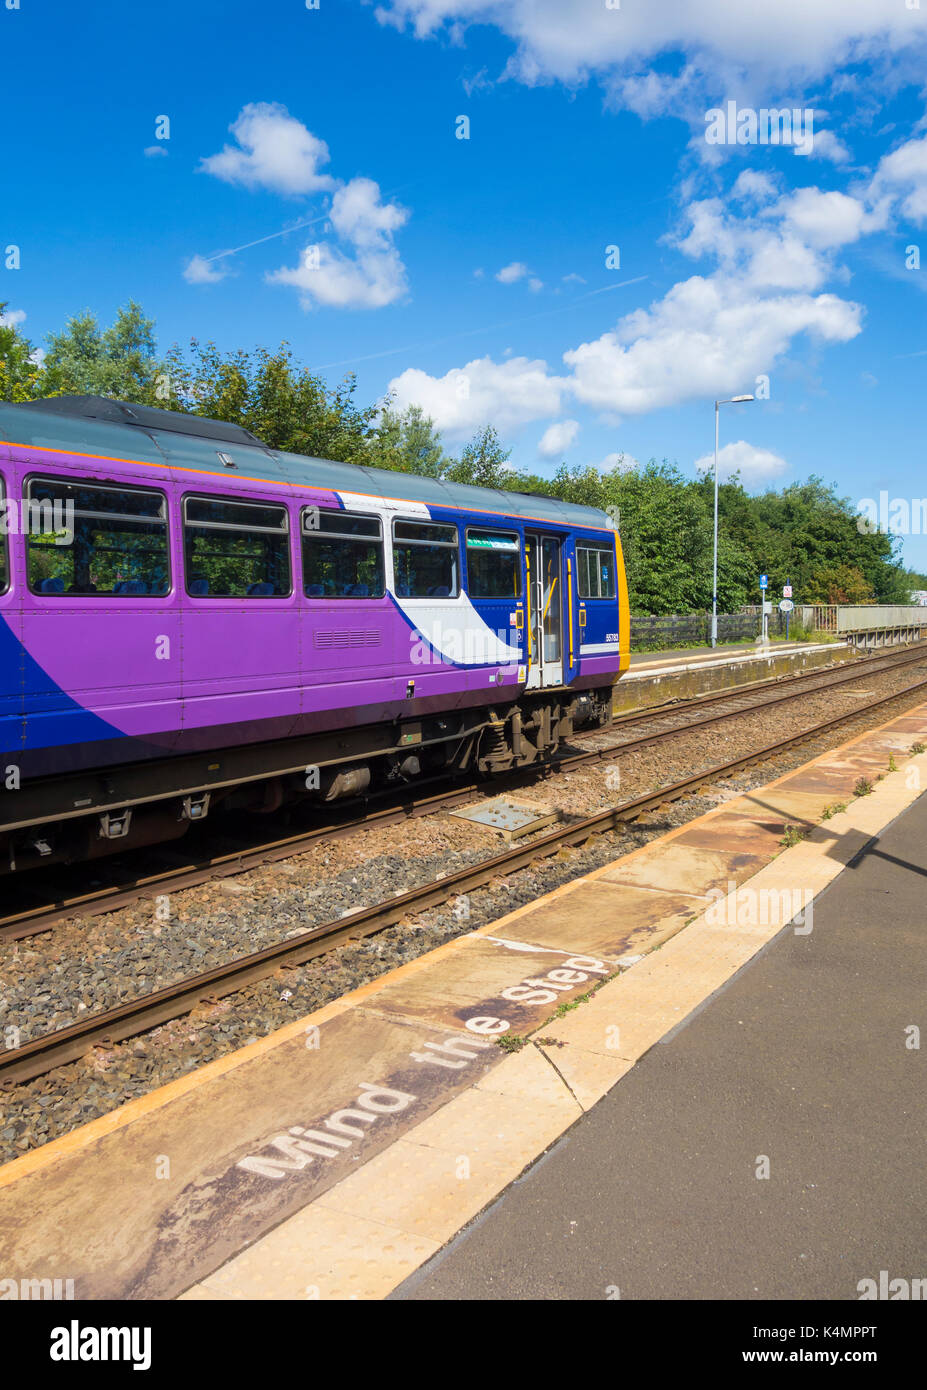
(786, 606)
(764, 585)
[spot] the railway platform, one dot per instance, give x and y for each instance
(337, 1156)
(770, 1147)
(655, 678)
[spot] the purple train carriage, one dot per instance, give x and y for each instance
(190, 619)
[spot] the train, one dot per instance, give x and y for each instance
(191, 619)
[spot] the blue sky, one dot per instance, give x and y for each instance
(471, 275)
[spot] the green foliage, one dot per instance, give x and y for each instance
(408, 442)
(483, 461)
(268, 393)
(19, 375)
(120, 361)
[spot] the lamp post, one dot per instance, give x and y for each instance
(735, 400)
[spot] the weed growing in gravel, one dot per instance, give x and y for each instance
(793, 836)
(892, 765)
(835, 809)
(863, 787)
(917, 748)
(510, 1042)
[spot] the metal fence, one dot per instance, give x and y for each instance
(674, 629)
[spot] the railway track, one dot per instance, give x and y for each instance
(43, 1054)
(660, 723)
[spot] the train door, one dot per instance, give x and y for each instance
(545, 604)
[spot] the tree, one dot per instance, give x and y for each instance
(281, 402)
(666, 537)
(408, 442)
(120, 361)
(483, 461)
(837, 584)
(19, 372)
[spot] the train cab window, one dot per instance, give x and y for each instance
(493, 564)
(88, 540)
(342, 555)
(425, 560)
(235, 549)
(595, 571)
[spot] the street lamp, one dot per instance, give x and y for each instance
(735, 400)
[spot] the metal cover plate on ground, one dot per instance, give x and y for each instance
(510, 818)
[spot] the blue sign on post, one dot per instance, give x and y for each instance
(764, 581)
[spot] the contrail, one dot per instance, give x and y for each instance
(474, 332)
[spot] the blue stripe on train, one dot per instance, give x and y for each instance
(23, 677)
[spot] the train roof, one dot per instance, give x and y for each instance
(121, 430)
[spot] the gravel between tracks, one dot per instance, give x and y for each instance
(85, 966)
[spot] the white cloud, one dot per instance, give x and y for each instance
(573, 279)
(535, 285)
(558, 438)
(706, 336)
(553, 43)
(824, 220)
(374, 277)
(327, 277)
(154, 151)
(510, 273)
(277, 152)
(200, 271)
(827, 145)
(360, 217)
(710, 334)
(754, 184)
(507, 394)
(274, 151)
(902, 176)
(783, 245)
(754, 465)
(12, 318)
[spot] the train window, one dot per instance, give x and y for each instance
(595, 572)
(493, 564)
(4, 557)
(236, 549)
(342, 555)
(89, 540)
(425, 560)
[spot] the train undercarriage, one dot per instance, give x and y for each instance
(88, 815)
